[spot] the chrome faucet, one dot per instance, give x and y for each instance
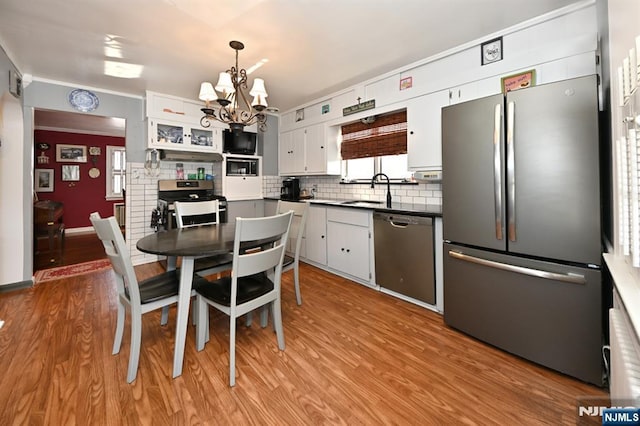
(373, 181)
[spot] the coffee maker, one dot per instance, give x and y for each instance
(290, 189)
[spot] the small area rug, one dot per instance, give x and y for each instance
(71, 270)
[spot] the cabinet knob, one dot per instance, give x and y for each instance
(322, 236)
(321, 147)
(342, 249)
(348, 250)
(411, 132)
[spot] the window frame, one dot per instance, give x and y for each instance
(110, 173)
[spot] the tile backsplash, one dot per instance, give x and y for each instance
(142, 197)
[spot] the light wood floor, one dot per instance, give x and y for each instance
(353, 356)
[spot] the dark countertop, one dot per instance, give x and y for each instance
(425, 210)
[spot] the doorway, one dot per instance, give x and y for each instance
(79, 162)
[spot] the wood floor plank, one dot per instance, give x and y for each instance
(353, 356)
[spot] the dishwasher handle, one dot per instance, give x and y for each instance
(401, 221)
(400, 225)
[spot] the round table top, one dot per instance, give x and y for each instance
(205, 240)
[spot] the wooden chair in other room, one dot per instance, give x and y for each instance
(292, 256)
(196, 213)
(141, 297)
(254, 281)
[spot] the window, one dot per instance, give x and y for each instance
(375, 145)
(394, 166)
(116, 168)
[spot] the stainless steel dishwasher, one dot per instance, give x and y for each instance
(404, 255)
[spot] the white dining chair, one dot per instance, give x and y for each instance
(254, 281)
(197, 213)
(159, 291)
(298, 225)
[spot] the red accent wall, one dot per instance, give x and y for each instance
(87, 195)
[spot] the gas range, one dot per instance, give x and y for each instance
(171, 190)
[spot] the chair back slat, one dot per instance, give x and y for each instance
(255, 262)
(112, 239)
(274, 228)
(298, 223)
(196, 213)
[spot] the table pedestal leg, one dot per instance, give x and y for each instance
(184, 296)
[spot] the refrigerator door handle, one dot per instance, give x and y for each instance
(497, 173)
(568, 278)
(511, 176)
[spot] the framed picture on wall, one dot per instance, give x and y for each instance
(71, 153)
(71, 173)
(44, 180)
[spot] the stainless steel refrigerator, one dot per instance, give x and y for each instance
(521, 223)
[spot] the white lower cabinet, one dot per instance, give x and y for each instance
(246, 208)
(349, 242)
(315, 238)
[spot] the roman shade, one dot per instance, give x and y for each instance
(387, 135)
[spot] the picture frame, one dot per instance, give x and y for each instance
(518, 81)
(44, 179)
(299, 114)
(71, 153)
(15, 84)
(406, 83)
(71, 173)
(491, 51)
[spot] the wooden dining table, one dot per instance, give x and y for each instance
(189, 244)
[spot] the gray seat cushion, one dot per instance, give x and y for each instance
(288, 260)
(249, 288)
(163, 285)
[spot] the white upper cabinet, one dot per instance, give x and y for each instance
(310, 150)
(474, 90)
(172, 108)
(174, 123)
(424, 128)
(183, 136)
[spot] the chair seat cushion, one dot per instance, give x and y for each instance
(288, 260)
(163, 285)
(249, 288)
(213, 262)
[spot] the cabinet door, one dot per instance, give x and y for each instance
(285, 153)
(248, 208)
(348, 249)
(424, 136)
(291, 153)
(315, 151)
(474, 90)
(316, 235)
(166, 134)
(270, 207)
(206, 139)
(177, 135)
(242, 187)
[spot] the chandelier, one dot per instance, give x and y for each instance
(235, 110)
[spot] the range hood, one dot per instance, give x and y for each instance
(188, 156)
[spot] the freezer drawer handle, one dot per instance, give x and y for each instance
(568, 278)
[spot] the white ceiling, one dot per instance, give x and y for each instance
(313, 47)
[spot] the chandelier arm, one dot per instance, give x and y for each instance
(229, 111)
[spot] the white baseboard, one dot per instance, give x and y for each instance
(83, 230)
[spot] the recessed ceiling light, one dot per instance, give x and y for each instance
(273, 109)
(122, 70)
